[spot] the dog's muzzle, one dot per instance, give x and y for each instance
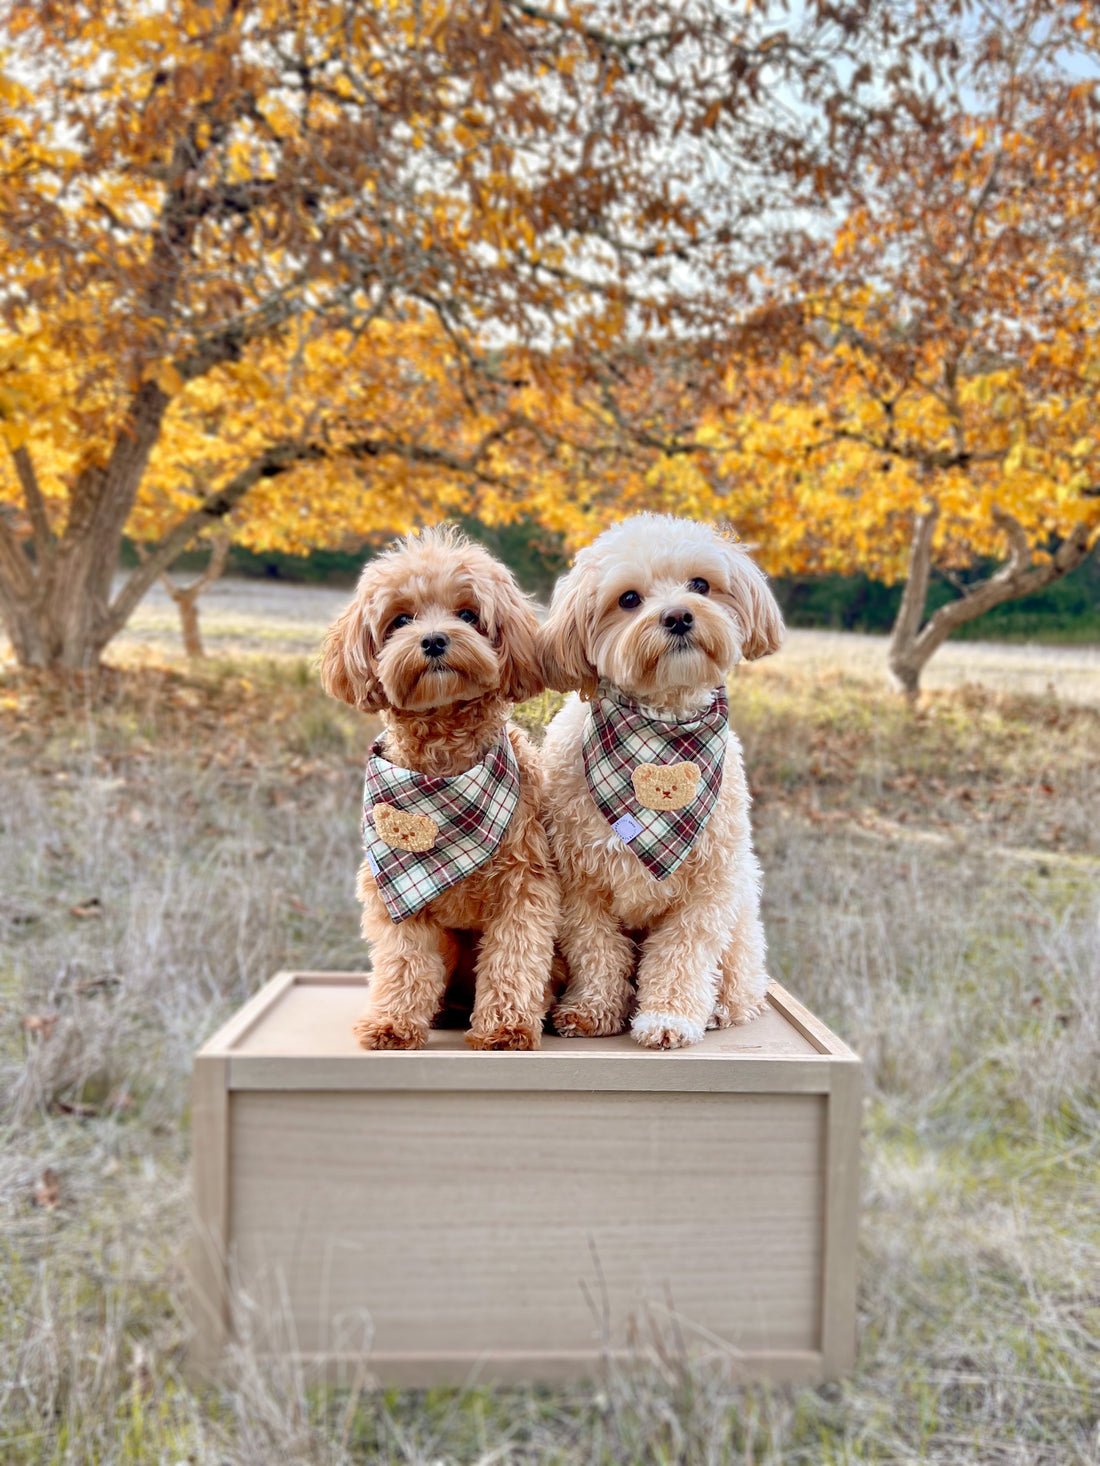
(435, 645)
(678, 621)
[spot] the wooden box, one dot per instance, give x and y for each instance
(515, 1216)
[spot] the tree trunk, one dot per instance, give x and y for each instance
(56, 605)
(189, 627)
(186, 597)
(57, 608)
(904, 659)
(913, 643)
(24, 633)
(59, 621)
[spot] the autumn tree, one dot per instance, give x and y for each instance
(204, 202)
(933, 394)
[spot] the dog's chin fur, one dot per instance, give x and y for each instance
(701, 958)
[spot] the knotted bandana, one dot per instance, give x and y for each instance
(655, 781)
(423, 835)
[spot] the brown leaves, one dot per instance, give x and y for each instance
(974, 763)
(47, 1193)
(103, 982)
(92, 1103)
(42, 1024)
(89, 910)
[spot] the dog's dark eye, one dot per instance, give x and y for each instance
(630, 600)
(700, 586)
(470, 617)
(398, 621)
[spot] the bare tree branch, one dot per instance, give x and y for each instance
(15, 568)
(1019, 547)
(1019, 577)
(229, 340)
(221, 539)
(469, 463)
(913, 597)
(36, 505)
(186, 597)
(272, 462)
(931, 458)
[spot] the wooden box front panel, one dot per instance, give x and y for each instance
(530, 1223)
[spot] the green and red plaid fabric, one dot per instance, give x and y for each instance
(620, 738)
(471, 812)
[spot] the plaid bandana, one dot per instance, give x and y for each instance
(423, 835)
(655, 782)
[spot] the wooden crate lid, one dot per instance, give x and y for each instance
(296, 1033)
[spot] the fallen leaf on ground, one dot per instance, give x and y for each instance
(47, 1194)
(43, 1023)
(88, 985)
(141, 1372)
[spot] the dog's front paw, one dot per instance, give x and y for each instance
(388, 1033)
(506, 1036)
(665, 1030)
(589, 1020)
(731, 1016)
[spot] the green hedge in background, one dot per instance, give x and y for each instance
(534, 554)
(1068, 611)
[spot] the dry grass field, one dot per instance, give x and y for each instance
(171, 838)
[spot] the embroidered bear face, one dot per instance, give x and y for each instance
(402, 830)
(665, 786)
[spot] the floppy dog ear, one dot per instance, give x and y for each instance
(562, 636)
(348, 661)
(516, 629)
(756, 607)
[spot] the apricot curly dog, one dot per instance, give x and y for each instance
(440, 640)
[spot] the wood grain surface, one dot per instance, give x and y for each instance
(533, 1221)
(449, 1215)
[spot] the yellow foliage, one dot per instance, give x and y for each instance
(236, 264)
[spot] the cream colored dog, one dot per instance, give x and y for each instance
(646, 625)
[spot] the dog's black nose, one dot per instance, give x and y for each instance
(435, 645)
(678, 620)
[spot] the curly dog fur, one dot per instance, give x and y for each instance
(695, 938)
(441, 715)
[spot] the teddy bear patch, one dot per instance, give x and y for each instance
(665, 786)
(404, 831)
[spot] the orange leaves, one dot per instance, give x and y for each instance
(442, 256)
(949, 335)
(169, 379)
